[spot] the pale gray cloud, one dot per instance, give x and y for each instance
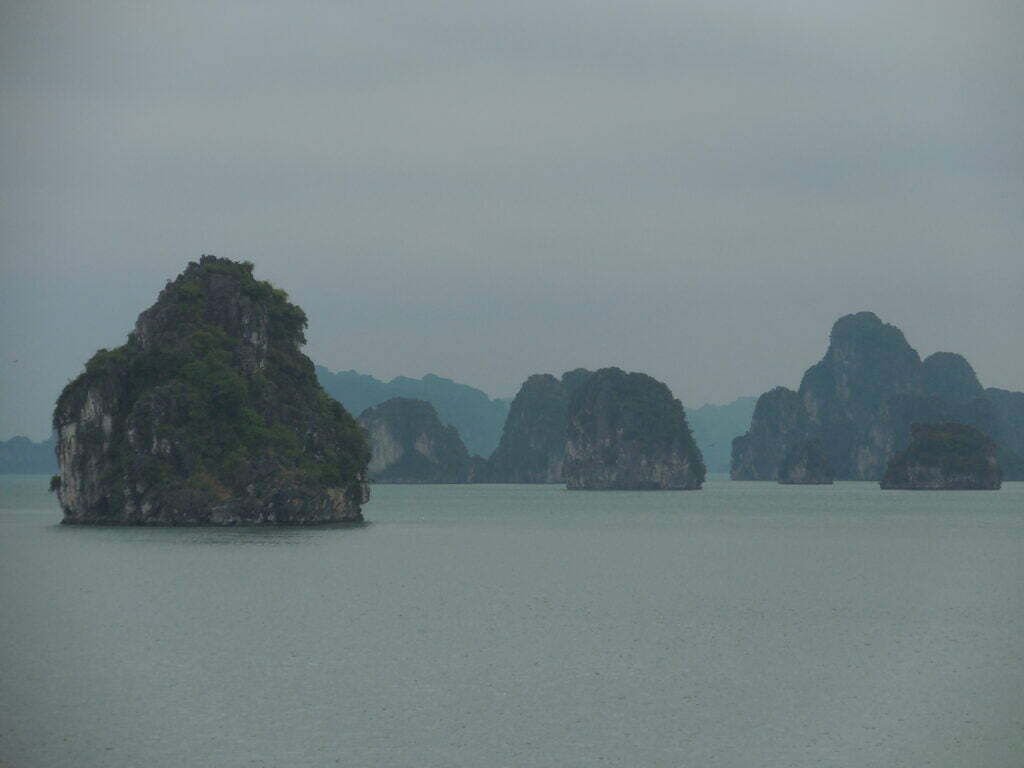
(486, 190)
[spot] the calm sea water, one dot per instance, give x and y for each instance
(748, 624)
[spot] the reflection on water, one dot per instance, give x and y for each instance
(255, 535)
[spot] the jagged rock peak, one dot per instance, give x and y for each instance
(950, 457)
(209, 415)
(627, 432)
(866, 361)
(409, 444)
(949, 376)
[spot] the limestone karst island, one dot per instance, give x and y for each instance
(209, 415)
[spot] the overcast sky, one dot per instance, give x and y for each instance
(486, 190)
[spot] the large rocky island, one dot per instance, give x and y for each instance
(945, 457)
(626, 431)
(409, 444)
(860, 401)
(209, 415)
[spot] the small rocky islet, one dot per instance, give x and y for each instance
(945, 457)
(209, 415)
(409, 444)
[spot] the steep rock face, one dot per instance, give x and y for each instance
(945, 457)
(209, 415)
(779, 422)
(861, 399)
(805, 464)
(532, 445)
(627, 432)
(868, 363)
(409, 444)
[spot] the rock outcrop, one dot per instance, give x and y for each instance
(627, 432)
(532, 445)
(409, 444)
(945, 457)
(478, 418)
(860, 401)
(209, 415)
(805, 464)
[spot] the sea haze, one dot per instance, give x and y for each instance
(748, 624)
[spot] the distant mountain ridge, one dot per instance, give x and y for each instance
(478, 417)
(21, 456)
(715, 426)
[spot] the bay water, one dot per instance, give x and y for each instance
(747, 624)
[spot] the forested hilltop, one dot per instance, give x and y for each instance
(209, 415)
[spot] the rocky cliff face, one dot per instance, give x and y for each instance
(945, 457)
(860, 401)
(627, 432)
(409, 444)
(209, 415)
(532, 445)
(805, 464)
(779, 422)
(868, 363)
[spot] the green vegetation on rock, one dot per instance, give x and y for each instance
(626, 431)
(207, 412)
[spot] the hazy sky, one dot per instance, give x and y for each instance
(485, 190)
